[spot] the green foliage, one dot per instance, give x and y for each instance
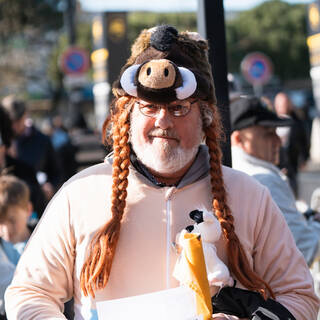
(275, 28)
(17, 15)
(142, 20)
(136, 21)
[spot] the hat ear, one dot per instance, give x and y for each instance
(127, 80)
(189, 84)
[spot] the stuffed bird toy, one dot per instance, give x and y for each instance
(208, 226)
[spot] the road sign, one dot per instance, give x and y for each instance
(74, 61)
(257, 68)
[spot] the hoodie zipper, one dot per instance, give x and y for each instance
(168, 197)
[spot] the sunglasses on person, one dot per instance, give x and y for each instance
(180, 109)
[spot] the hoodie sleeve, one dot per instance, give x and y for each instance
(278, 261)
(306, 233)
(44, 276)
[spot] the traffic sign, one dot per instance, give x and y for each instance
(257, 68)
(74, 61)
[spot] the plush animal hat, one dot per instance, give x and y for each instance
(165, 66)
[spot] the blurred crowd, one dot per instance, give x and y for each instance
(34, 163)
(271, 142)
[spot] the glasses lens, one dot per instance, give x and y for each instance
(179, 110)
(149, 110)
(176, 110)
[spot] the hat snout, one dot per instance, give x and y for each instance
(157, 74)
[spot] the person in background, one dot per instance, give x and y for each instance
(315, 201)
(109, 232)
(15, 211)
(294, 140)
(64, 147)
(13, 166)
(255, 151)
(33, 147)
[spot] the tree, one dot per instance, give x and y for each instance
(141, 20)
(17, 15)
(275, 28)
(24, 42)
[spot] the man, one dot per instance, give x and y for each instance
(15, 210)
(10, 165)
(294, 151)
(96, 249)
(33, 147)
(255, 151)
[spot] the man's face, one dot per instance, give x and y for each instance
(261, 142)
(18, 126)
(165, 143)
(282, 104)
(14, 227)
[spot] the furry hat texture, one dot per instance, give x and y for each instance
(177, 67)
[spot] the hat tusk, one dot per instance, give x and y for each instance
(127, 80)
(189, 84)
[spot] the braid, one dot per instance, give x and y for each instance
(96, 269)
(239, 264)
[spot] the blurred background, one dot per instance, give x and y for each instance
(36, 34)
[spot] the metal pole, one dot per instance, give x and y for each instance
(211, 26)
(70, 20)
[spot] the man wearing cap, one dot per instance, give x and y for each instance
(255, 151)
(109, 233)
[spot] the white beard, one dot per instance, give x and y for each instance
(160, 155)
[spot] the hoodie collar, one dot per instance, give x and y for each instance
(198, 170)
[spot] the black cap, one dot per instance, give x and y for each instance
(248, 111)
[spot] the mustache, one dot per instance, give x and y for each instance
(167, 133)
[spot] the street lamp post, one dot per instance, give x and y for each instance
(211, 26)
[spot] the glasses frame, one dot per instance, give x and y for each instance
(160, 106)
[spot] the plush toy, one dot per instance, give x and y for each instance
(158, 78)
(208, 226)
(165, 66)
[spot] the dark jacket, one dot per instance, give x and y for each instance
(26, 173)
(35, 149)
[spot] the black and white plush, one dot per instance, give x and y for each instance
(208, 226)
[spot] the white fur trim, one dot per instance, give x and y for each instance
(189, 84)
(195, 36)
(127, 80)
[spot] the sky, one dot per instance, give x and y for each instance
(163, 5)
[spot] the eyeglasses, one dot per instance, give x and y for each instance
(180, 109)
